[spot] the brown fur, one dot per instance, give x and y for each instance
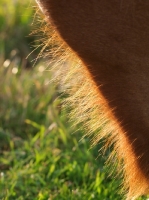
(111, 38)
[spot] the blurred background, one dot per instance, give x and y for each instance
(41, 154)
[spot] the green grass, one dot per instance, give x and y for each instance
(16, 18)
(41, 155)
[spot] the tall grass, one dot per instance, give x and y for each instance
(16, 18)
(41, 158)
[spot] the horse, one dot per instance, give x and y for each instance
(110, 39)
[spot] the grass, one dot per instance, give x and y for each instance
(16, 18)
(41, 158)
(41, 155)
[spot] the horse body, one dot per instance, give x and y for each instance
(112, 40)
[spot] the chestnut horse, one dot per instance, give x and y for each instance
(111, 38)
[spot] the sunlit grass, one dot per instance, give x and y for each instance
(41, 158)
(16, 18)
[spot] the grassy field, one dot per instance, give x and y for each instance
(41, 154)
(41, 158)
